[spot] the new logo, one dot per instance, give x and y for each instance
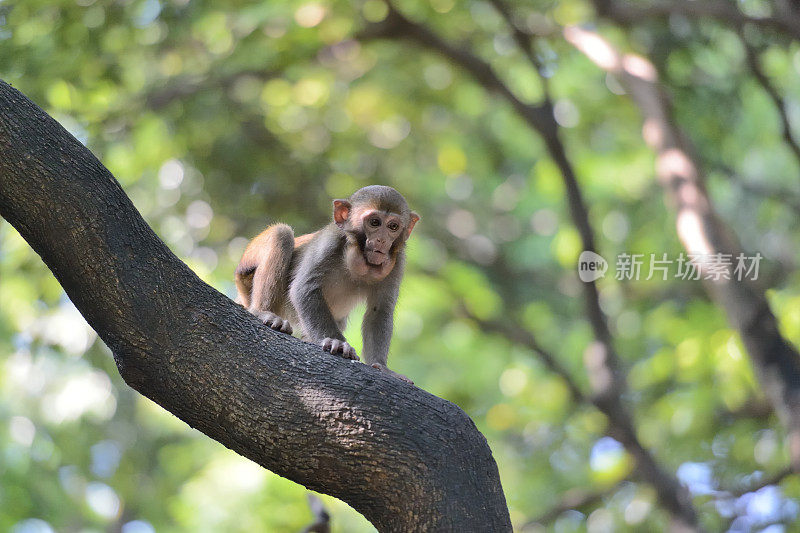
(591, 266)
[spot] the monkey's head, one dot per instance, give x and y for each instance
(379, 219)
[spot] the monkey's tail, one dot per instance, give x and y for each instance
(244, 283)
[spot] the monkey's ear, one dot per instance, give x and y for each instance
(414, 218)
(341, 211)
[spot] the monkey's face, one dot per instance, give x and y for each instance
(377, 234)
(381, 229)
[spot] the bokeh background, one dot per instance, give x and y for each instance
(220, 117)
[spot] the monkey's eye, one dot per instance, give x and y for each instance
(374, 222)
(393, 226)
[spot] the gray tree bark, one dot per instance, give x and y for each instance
(405, 459)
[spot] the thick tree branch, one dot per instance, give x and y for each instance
(776, 361)
(405, 459)
(606, 377)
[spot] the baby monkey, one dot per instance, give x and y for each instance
(315, 280)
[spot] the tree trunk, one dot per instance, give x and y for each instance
(404, 458)
(701, 230)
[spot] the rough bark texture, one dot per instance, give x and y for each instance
(404, 458)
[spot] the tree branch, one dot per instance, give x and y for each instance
(620, 427)
(606, 377)
(525, 42)
(627, 14)
(608, 380)
(402, 457)
(397, 26)
(788, 198)
(181, 87)
(516, 334)
(573, 499)
(776, 361)
(774, 479)
(754, 63)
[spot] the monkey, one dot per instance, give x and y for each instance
(315, 280)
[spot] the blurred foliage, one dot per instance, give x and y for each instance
(221, 117)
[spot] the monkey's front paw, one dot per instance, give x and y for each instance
(275, 322)
(337, 347)
(385, 369)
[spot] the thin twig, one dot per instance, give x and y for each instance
(572, 499)
(516, 334)
(789, 198)
(774, 479)
(525, 42)
(754, 62)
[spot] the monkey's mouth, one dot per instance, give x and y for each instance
(375, 257)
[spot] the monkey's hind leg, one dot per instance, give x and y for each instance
(271, 277)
